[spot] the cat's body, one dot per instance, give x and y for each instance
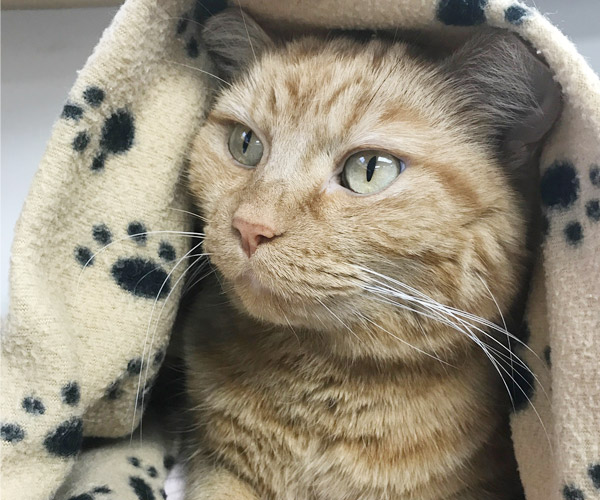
(275, 409)
(321, 372)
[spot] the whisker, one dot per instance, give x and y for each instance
(193, 214)
(198, 70)
(459, 312)
(462, 325)
(246, 28)
(439, 308)
(403, 341)
(160, 315)
(189, 285)
(147, 333)
(189, 234)
(337, 317)
(291, 327)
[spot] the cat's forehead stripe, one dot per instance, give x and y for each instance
(330, 91)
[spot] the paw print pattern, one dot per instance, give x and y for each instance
(516, 14)
(92, 494)
(63, 441)
(461, 12)
(140, 484)
(472, 12)
(134, 368)
(117, 134)
(560, 189)
(137, 275)
(188, 26)
(572, 492)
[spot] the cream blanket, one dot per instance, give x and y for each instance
(97, 261)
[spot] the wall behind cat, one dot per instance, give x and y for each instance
(43, 49)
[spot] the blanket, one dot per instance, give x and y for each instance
(103, 244)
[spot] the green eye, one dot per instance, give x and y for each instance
(368, 172)
(245, 146)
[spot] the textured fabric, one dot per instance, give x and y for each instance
(97, 262)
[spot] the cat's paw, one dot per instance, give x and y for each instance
(113, 136)
(136, 274)
(560, 188)
(62, 440)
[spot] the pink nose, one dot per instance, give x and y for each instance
(252, 234)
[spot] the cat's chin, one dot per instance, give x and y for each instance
(266, 304)
(259, 300)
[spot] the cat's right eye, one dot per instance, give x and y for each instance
(245, 146)
(369, 172)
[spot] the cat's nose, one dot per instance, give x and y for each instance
(252, 234)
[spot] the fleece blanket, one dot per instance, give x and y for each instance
(103, 245)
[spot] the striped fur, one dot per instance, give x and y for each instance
(303, 385)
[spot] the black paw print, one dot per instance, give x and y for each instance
(134, 368)
(461, 12)
(64, 440)
(516, 14)
(140, 276)
(140, 485)
(472, 12)
(92, 494)
(560, 189)
(117, 132)
(572, 492)
(190, 23)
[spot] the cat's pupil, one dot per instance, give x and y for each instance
(371, 168)
(247, 138)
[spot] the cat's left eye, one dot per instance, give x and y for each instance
(245, 146)
(368, 172)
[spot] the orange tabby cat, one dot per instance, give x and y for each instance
(358, 198)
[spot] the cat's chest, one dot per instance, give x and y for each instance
(295, 425)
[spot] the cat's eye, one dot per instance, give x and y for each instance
(245, 146)
(368, 172)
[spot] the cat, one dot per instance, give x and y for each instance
(367, 209)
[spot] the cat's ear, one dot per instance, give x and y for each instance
(234, 40)
(509, 89)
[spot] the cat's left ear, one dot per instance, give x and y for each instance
(234, 40)
(509, 90)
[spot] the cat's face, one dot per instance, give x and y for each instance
(297, 244)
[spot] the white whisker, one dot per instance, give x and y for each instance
(403, 341)
(337, 317)
(198, 70)
(246, 28)
(160, 315)
(458, 320)
(198, 216)
(458, 312)
(148, 331)
(442, 314)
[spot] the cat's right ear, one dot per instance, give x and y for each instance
(234, 41)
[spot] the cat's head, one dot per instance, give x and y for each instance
(356, 187)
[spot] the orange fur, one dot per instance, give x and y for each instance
(308, 386)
